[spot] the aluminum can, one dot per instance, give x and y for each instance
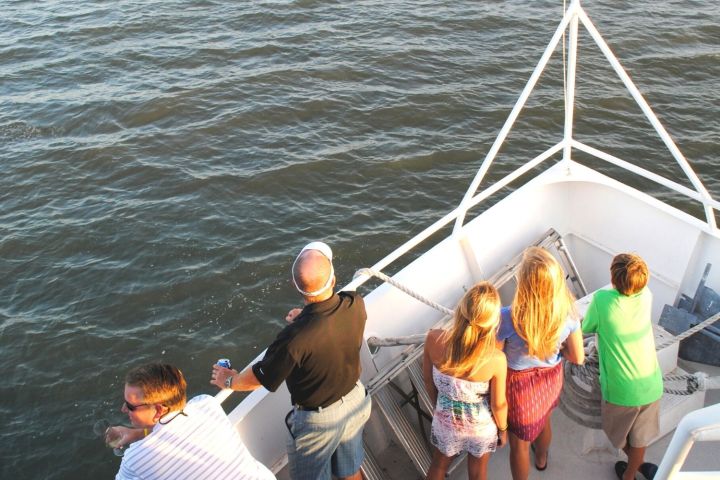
(224, 362)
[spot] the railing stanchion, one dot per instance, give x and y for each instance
(570, 88)
(571, 12)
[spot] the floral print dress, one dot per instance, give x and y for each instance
(462, 421)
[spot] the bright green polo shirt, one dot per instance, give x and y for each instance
(629, 372)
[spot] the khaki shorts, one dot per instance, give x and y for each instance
(637, 426)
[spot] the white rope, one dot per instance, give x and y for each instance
(581, 394)
(375, 342)
(372, 273)
(689, 331)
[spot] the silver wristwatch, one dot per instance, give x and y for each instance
(228, 382)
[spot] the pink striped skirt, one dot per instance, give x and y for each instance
(532, 395)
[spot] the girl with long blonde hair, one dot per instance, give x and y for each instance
(464, 375)
(536, 332)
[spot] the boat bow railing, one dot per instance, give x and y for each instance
(573, 16)
(363, 277)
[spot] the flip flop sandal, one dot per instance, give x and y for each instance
(547, 458)
(648, 470)
(620, 467)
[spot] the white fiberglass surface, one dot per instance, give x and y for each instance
(597, 217)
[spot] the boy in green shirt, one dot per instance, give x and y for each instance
(630, 377)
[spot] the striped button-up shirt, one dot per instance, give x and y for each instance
(203, 443)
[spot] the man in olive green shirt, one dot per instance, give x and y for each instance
(630, 377)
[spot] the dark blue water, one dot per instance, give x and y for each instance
(161, 162)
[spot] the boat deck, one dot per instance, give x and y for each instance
(566, 460)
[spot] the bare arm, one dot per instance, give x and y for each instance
(243, 381)
(498, 400)
(427, 369)
(573, 349)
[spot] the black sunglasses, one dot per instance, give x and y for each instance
(132, 407)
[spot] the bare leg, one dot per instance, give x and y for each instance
(439, 465)
(636, 456)
(519, 458)
(542, 444)
(477, 467)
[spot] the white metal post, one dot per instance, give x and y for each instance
(570, 87)
(571, 12)
(669, 143)
(688, 192)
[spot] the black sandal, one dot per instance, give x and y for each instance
(547, 457)
(648, 470)
(620, 467)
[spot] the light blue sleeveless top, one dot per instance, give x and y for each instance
(516, 349)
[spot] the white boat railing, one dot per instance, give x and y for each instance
(454, 214)
(692, 194)
(573, 16)
(505, 130)
(669, 143)
(223, 394)
(699, 426)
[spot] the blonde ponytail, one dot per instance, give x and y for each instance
(471, 338)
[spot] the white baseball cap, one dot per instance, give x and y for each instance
(325, 249)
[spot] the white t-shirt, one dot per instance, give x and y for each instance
(200, 444)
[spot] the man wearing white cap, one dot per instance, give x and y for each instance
(318, 356)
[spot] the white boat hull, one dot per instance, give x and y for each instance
(596, 216)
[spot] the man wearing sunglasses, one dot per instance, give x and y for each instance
(318, 356)
(176, 439)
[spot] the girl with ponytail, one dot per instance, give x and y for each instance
(464, 374)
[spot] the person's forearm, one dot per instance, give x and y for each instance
(126, 435)
(245, 381)
(499, 411)
(135, 434)
(573, 356)
(574, 350)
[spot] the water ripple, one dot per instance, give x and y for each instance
(163, 161)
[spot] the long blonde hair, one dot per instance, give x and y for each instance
(542, 302)
(471, 338)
